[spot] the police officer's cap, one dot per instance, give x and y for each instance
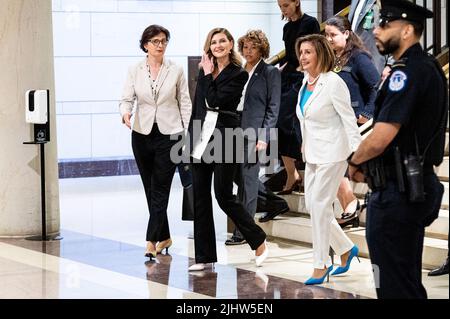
(403, 10)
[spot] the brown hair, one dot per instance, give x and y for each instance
(234, 57)
(259, 39)
(298, 10)
(325, 54)
(353, 42)
(150, 32)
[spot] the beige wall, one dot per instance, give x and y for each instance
(26, 62)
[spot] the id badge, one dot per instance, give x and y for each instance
(368, 21)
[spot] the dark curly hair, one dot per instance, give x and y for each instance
(258, 38)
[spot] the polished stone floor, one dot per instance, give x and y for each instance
(103, 222)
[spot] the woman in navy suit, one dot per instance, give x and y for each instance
(259, 104)
(218, 93)
(354, 64)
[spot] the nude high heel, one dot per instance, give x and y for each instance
(150, 252)
(163, 245)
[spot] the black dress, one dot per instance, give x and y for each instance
(289, 136)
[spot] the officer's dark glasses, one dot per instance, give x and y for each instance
(384, 21)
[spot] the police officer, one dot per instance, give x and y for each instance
(410, 117)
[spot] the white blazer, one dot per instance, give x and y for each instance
(329, 130)
(172, 109)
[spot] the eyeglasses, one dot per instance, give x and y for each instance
(157, 42)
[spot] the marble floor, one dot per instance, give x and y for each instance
(103, 224)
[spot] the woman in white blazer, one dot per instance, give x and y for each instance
(330, 134)
(163, 107)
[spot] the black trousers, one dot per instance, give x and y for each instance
(204, 232)
(152, 154)
(289, 135)
(395, 232)
(247, 178)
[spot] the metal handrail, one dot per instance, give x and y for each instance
(280, 55)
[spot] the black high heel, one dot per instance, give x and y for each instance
(351, 218)
(354, 222)
(295, 186)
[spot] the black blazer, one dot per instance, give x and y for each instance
(224, 93)
(262, 99)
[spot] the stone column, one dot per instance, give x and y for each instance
(26, 62)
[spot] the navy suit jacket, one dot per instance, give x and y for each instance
(262, 100)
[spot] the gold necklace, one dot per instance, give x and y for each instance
(337, 65)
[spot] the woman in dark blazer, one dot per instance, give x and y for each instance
(354, 64)
(219, 90)
(259, 104)
(289, 137)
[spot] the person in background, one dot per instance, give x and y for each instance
(163, 107)
(259, 105)
(219, 89)
(363, 16)
(289, 136)
(354, 65)
(330, 135)
(406, 143)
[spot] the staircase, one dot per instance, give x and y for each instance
(296, 225)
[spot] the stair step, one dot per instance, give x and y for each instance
(296, 200)
(438, 229)
(434, 250)
(446, 142)
(360, 189)
(443, 170)
(298, 229)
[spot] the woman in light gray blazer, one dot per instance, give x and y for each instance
(159, 89)
(330, 134)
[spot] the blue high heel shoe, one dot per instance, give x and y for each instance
(318, 281)
(353, 253)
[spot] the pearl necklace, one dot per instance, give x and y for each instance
(313, 81)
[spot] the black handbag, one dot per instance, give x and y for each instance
(185, 173)
(188, 203)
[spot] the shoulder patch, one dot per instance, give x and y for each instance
(397, 81)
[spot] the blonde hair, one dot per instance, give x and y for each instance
(324, 52)
(234, 56)
(258, 38)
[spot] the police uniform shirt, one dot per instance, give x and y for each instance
(414, 95)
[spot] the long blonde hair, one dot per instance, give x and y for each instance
(235, 58)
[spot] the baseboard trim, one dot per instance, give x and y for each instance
(97, 167)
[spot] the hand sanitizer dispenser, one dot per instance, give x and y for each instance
(36, 106)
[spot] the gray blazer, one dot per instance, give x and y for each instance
(262, 100)
(367, 34)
